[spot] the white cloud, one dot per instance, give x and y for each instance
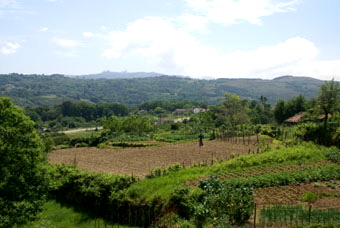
(66, 42)
(43, 29)
(9, 48)
(88, 34)
(232, 12)
(191, 22)
(94, 35)
(9, 4)
(67, 54)
(174, 51)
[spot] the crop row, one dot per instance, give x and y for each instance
(258, 171)
(302, 152)
(278, 215)
(331, 172)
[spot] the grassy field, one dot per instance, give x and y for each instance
(55, 215)
(84, 134)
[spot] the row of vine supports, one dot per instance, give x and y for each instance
(281, 215)
(287, 215)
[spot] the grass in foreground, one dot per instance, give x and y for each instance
(55, 215)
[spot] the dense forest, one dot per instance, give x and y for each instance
(41, 90)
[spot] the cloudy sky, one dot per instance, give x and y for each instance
(196, 38)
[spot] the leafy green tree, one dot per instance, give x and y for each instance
(328, 99)
(23, 180)
(235, 110)
(132, 124)
(279, 111)
(283, 110)
(159, 111)
(113, 124)
(260, 113)
(202, 122)
(136, 125)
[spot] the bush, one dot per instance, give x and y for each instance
(334, 156)
(60, 139)
(180, 201)
(317, 133)
(309, 197)
(223, 202)
(89, 190)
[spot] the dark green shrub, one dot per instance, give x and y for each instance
(89, 190)
(334, 156)
(181, 202)
(233, 205)
(60, 139)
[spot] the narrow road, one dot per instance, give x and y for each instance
(80, 129)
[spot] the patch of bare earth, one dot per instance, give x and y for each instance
(139, 161)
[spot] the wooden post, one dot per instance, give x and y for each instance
(136, 215)
(254, 215)
(309, 212)
(149, 221)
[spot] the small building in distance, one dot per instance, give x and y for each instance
(197, 110)
(188, 111)
(304, 117)
(183, 111)
(162, 120)
(296, 119)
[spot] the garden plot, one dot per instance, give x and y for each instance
(138, 161)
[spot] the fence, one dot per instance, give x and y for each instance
(129, 217)
(290, 215)
(264, 216)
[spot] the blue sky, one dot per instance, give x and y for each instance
(196, 38)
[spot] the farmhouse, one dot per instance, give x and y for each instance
(182, 111)
(297, 118)
(165, 120)
(303, 117)
(197, 110)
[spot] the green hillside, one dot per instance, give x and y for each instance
(39, 90)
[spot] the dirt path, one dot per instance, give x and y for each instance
(140, 160)
(80, 130)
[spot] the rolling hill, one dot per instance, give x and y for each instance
(40, 90)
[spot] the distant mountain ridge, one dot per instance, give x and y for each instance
(118, 75)
(40, 90)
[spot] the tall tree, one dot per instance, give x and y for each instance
(328, 99)
(235, 110)
(279, 111)
(23, 180)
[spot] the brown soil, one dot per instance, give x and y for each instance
(139, 161)
(291, 195)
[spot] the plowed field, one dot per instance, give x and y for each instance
(291, 195)
(139, 161)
